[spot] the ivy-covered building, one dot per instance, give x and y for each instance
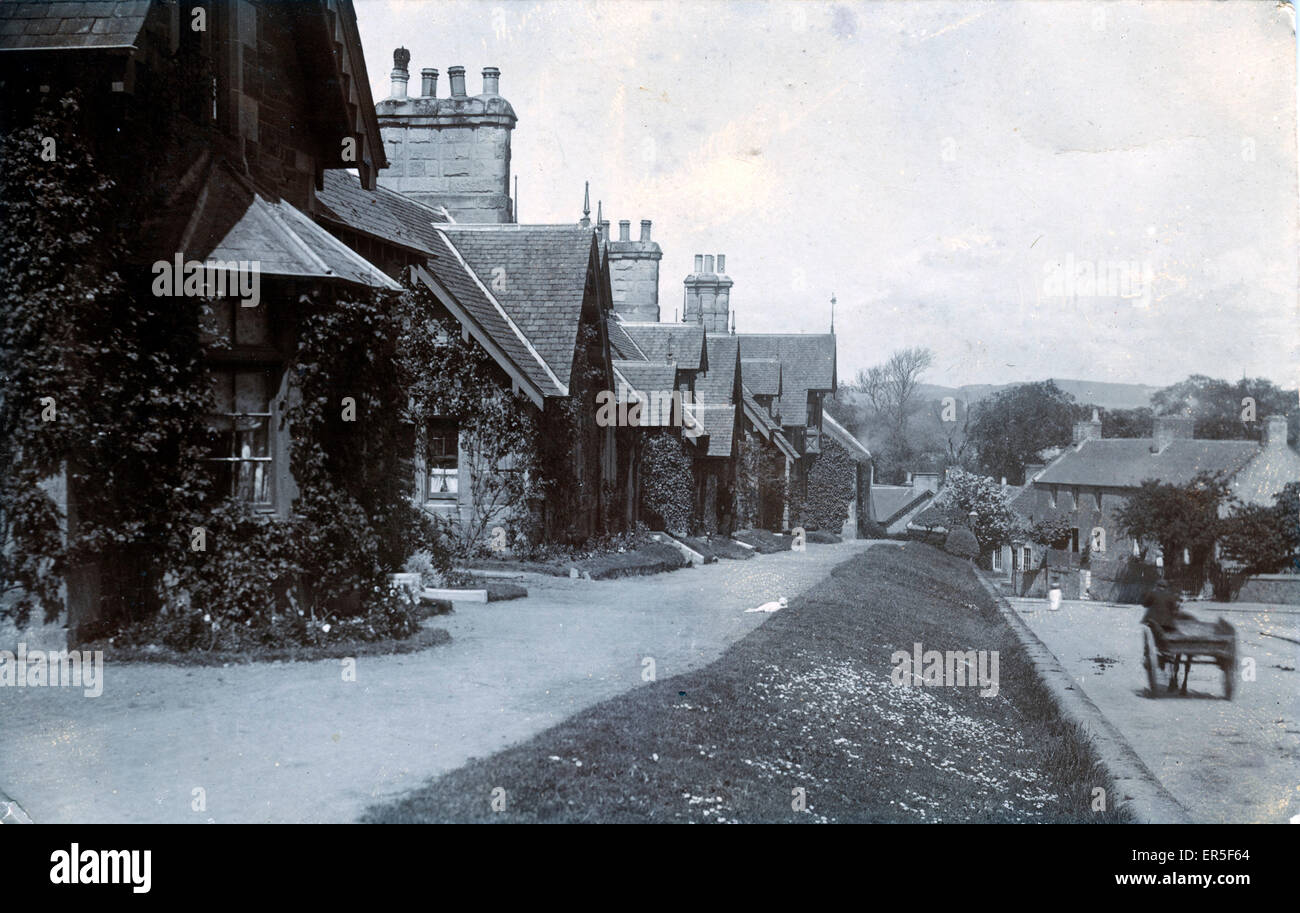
(213, 125)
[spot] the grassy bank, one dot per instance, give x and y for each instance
(805, 702)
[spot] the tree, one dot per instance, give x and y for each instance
(1009, 429)
(1128, 423)
(1178, 517)
(1050, 531)
(890, 391)
(1264, 539)
(980, 504)
(1225, 410)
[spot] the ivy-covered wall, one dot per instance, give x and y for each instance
(831, 486)
(667, 482)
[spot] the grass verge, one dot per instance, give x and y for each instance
(806, 702)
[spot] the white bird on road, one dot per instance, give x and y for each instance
(770, 606)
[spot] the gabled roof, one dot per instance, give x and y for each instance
(380, 213)
(719, 424)
(538, 273)
(1127, 462)
(841, 436)
(807, 363)
(764, 425)
(620, 342)
(71, 26)
(718, 383)
(683, 342)
(762, 375)
(504, 338)
(220, 215)
(891, 502)
(647, 377)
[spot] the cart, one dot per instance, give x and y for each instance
(1189, 641)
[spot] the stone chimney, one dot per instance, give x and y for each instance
(1274, 432)
(428, 83)
(1169, 428)
(1087, 431)
(401, 75)
(708, 294)
(634, 273)
(454, 151)
(1033, 469)
(457, 77)
(925, 481)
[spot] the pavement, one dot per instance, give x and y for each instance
(295, 742)
(1224, 762)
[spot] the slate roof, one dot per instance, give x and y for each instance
(222, 216)
(381, 213)
(684, 342)
(454, 276)
(890, 502)
(70, 26)
(718, 383)
(719, 424)
(762, 375)
(807, 363)
(1127, 462)
(620, 342)
(645, 379)
(538, 273)
(845, 439)
(767, 428)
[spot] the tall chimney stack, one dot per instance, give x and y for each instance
(428, 83)
(699, 263)
(722, 264)
(708, 263)
(400, 75)
(491, 81)
(624, 230)
(457, 77)
(645, 229)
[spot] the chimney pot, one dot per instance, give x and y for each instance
(722, 263)
(708, 263)
(429, 82)
(699, 263)
(400, 75)
(457, 77)
(645, 229)
(603, 225)
(624, 230)
(491, 81)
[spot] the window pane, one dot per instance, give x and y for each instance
(251, 391)
(223, 390)
(216, 326)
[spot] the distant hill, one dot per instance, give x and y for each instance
(1090, 392)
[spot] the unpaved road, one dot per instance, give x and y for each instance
(295, 743)
(1235, 761)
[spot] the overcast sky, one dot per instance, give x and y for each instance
(951, 172)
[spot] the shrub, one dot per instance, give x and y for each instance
(832, 486)
(962, 543)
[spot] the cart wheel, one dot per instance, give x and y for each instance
(1150, 660)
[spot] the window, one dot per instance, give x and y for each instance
(997, 559)
(1074, 497)
(231, 325)
(1026, 559)
(442, 452)
(1074, 539)
(1053, 490)
(1097, 494)
(239, 434)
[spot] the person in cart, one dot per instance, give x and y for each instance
(1163, 608)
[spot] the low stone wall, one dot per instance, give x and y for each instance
(1279, 588)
